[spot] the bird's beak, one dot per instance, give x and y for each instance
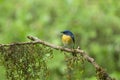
(61, 32)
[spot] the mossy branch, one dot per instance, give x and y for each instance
(101, 73)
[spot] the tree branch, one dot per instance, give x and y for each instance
(102, 74)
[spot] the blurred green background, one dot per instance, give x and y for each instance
(95, 23)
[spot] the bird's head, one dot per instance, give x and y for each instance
(67, 32)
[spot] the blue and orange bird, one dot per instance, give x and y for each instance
(68, 39)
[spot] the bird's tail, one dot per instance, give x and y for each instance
(73, 53)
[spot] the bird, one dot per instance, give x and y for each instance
(68, 39)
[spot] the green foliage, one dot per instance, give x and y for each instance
(23, 62)
(75, 67)
(96, 24)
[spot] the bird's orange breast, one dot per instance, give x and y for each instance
(66, 39)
